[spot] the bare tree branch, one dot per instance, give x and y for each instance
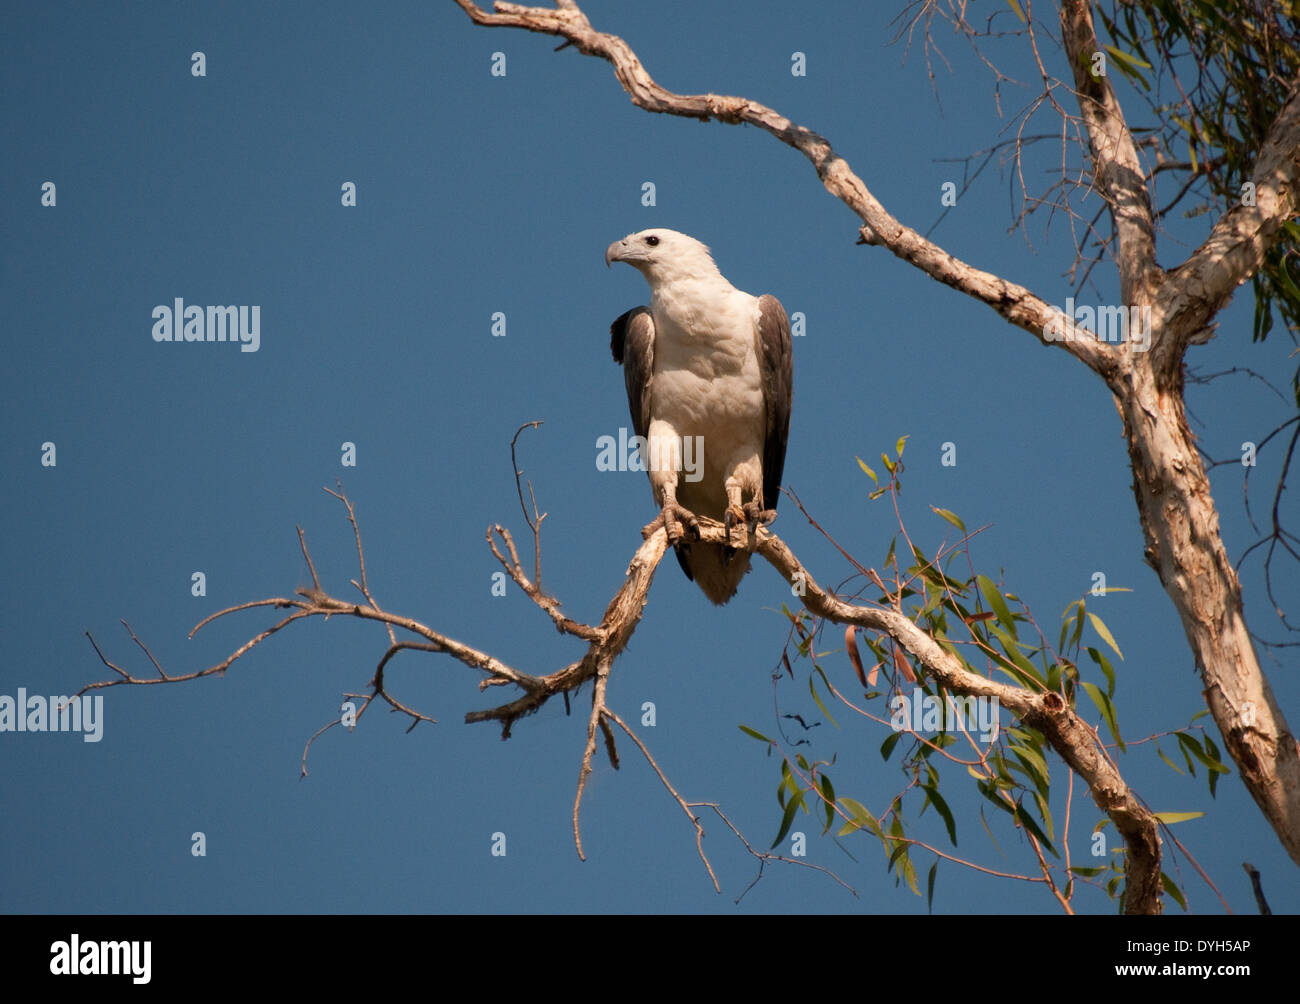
(1046, 711)
(1234, 250)
(1013, 302)
(534, 520)
(1117, 172)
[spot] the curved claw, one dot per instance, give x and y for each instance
(756, 516)
(734, 514)
(675, 519)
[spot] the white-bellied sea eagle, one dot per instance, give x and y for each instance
(708, 375)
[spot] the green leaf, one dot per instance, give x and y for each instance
(1106, 708)
(1029, 824)
(1125, 57)
(1034, 763)
(1100, 659)
(989, 831)
(1287, 283)
(817, 698)
(1174, 892)
(1177, 817)
(787, 783)
(929, 885)
(1102, 630)
(1028, 674)
(828, 794)
(997, 603)
(993, 793)
(1177, 770)
(1078, 625)
(1045, 811)
(1263, 314)
(788, 818)
(757, 735)
(887, 747)
(951, 517)
(940, 806)
(898, 447)
(901, 856)
(1190, 745)
(1128, 65)
(869, 472)
(860, 819)
(1213, 752)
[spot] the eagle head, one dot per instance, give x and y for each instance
(663, 255)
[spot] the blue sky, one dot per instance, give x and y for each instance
(479, 194)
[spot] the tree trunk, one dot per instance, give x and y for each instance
(1185, 547)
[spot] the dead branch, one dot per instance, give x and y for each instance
(1069, 736)
(534, 520)
(1013, 302)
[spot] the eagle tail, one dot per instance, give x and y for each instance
(718, 580)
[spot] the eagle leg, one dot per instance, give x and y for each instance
(673, 517)
(757, 516)
(751, 514)
(734, 514)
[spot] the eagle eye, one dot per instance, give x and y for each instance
(652, 240)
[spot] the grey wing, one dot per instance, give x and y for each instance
(632, 340)
(777, 370)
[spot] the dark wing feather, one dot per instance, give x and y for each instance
(681, 551)
(777, 371)
(632, 340)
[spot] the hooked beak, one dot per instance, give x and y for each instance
(614, 252)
